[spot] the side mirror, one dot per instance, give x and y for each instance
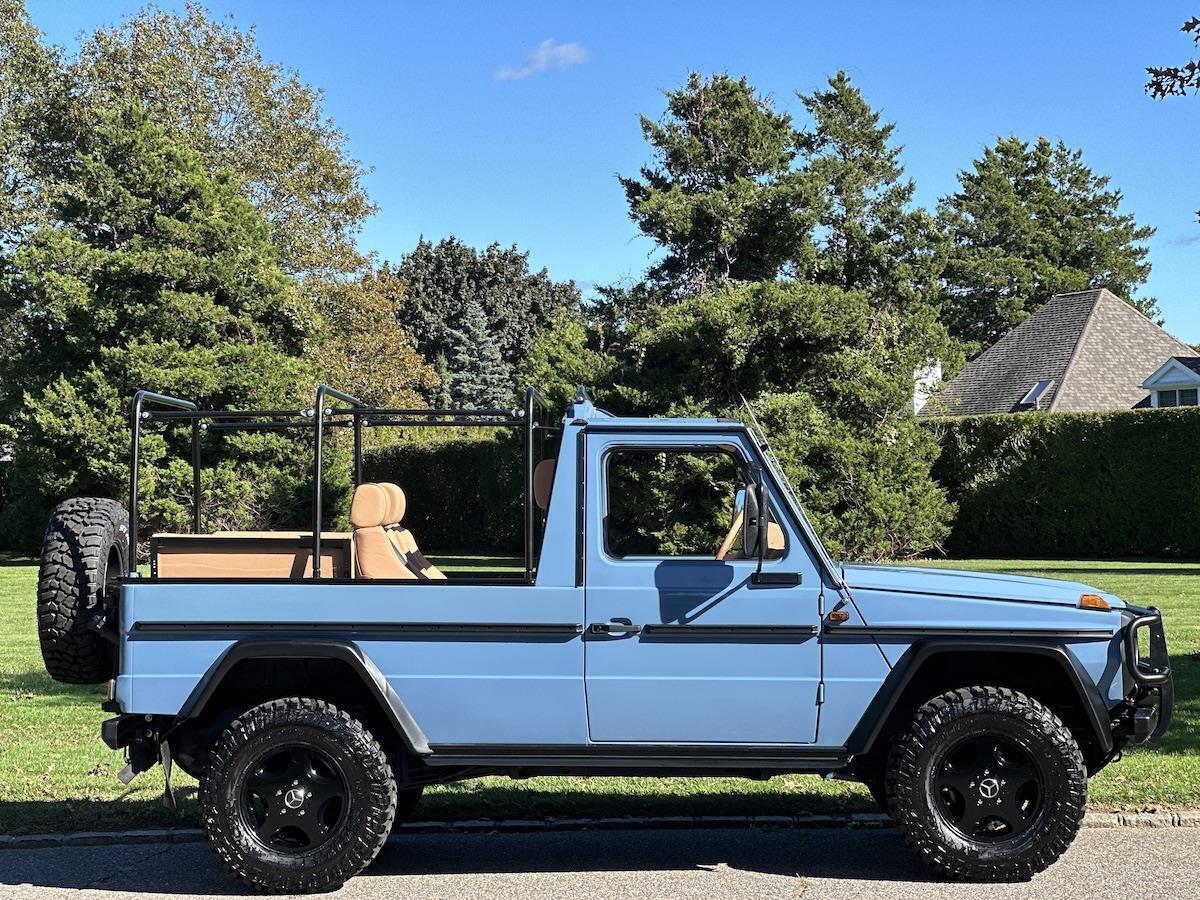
(752, 524)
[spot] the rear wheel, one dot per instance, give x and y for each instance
(84, 555)
(987, 784)
(297, 797)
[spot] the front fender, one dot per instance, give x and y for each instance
(864, 735)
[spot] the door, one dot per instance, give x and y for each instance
(682, 647)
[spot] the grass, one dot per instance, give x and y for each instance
(55, 774)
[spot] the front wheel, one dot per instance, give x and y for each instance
(297, 796)
(987, 784)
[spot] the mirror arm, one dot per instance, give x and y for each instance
(761, 490)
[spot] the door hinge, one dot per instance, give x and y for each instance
(820, 692)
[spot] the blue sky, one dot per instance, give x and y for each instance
(509, 123)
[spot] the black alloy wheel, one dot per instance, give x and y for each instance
(294, 798)
(988, 788)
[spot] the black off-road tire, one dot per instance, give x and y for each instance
(983, 715)
(357, 836)
(85, 550)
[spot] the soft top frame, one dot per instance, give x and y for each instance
(148, 406)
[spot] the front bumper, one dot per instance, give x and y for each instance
(1150, 696)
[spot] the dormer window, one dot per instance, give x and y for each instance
(1178, 397)
(1175, 383)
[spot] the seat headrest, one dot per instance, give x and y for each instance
(398, 503)
(543, 480)
(370, 506)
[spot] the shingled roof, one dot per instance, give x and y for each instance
(1094, 348)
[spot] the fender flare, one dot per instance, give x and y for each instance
(372, 679)
(862, 738)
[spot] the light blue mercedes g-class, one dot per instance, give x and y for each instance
(676, 615)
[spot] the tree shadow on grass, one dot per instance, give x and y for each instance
(39, 690)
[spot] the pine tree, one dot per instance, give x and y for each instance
(872, 237)
(722, 196)
(479, 377)
(1030, 221)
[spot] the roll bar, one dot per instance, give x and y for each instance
(356, 415)
(140, 399)
(319, 412)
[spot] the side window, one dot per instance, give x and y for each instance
(672, 502)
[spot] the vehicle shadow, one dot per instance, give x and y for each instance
(874, 855)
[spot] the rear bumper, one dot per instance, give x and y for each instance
(122, 731)
(1150, 697)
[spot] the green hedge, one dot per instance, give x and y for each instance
(464, 496)
(1073, 485)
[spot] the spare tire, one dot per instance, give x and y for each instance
(84, 554)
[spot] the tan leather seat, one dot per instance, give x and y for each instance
(543, 482)
(373, 553)
(402, 539)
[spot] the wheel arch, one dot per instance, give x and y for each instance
(1048, 671)
(325, 656)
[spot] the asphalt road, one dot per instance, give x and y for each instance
(755, 864)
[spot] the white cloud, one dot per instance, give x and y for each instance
(549, 55)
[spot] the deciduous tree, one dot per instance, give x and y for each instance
(207, 83)
(368, 351)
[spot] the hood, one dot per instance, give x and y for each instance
(959, 583)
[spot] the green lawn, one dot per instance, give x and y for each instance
(55, 774)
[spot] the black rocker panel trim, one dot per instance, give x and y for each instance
(634, 757)
(372, 679)
(863, 737)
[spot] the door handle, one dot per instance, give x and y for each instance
(614, 627)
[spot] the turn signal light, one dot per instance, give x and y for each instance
(838, 615)
(1092, 601)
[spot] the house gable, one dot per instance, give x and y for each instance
(1173, 373)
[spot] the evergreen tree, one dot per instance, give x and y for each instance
(154, 272)
(441, 281)
(871, 237)
(798, 275)
(722, 196)
(479, 377)
(1030, 221)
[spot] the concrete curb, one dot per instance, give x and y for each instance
(1177, 819)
